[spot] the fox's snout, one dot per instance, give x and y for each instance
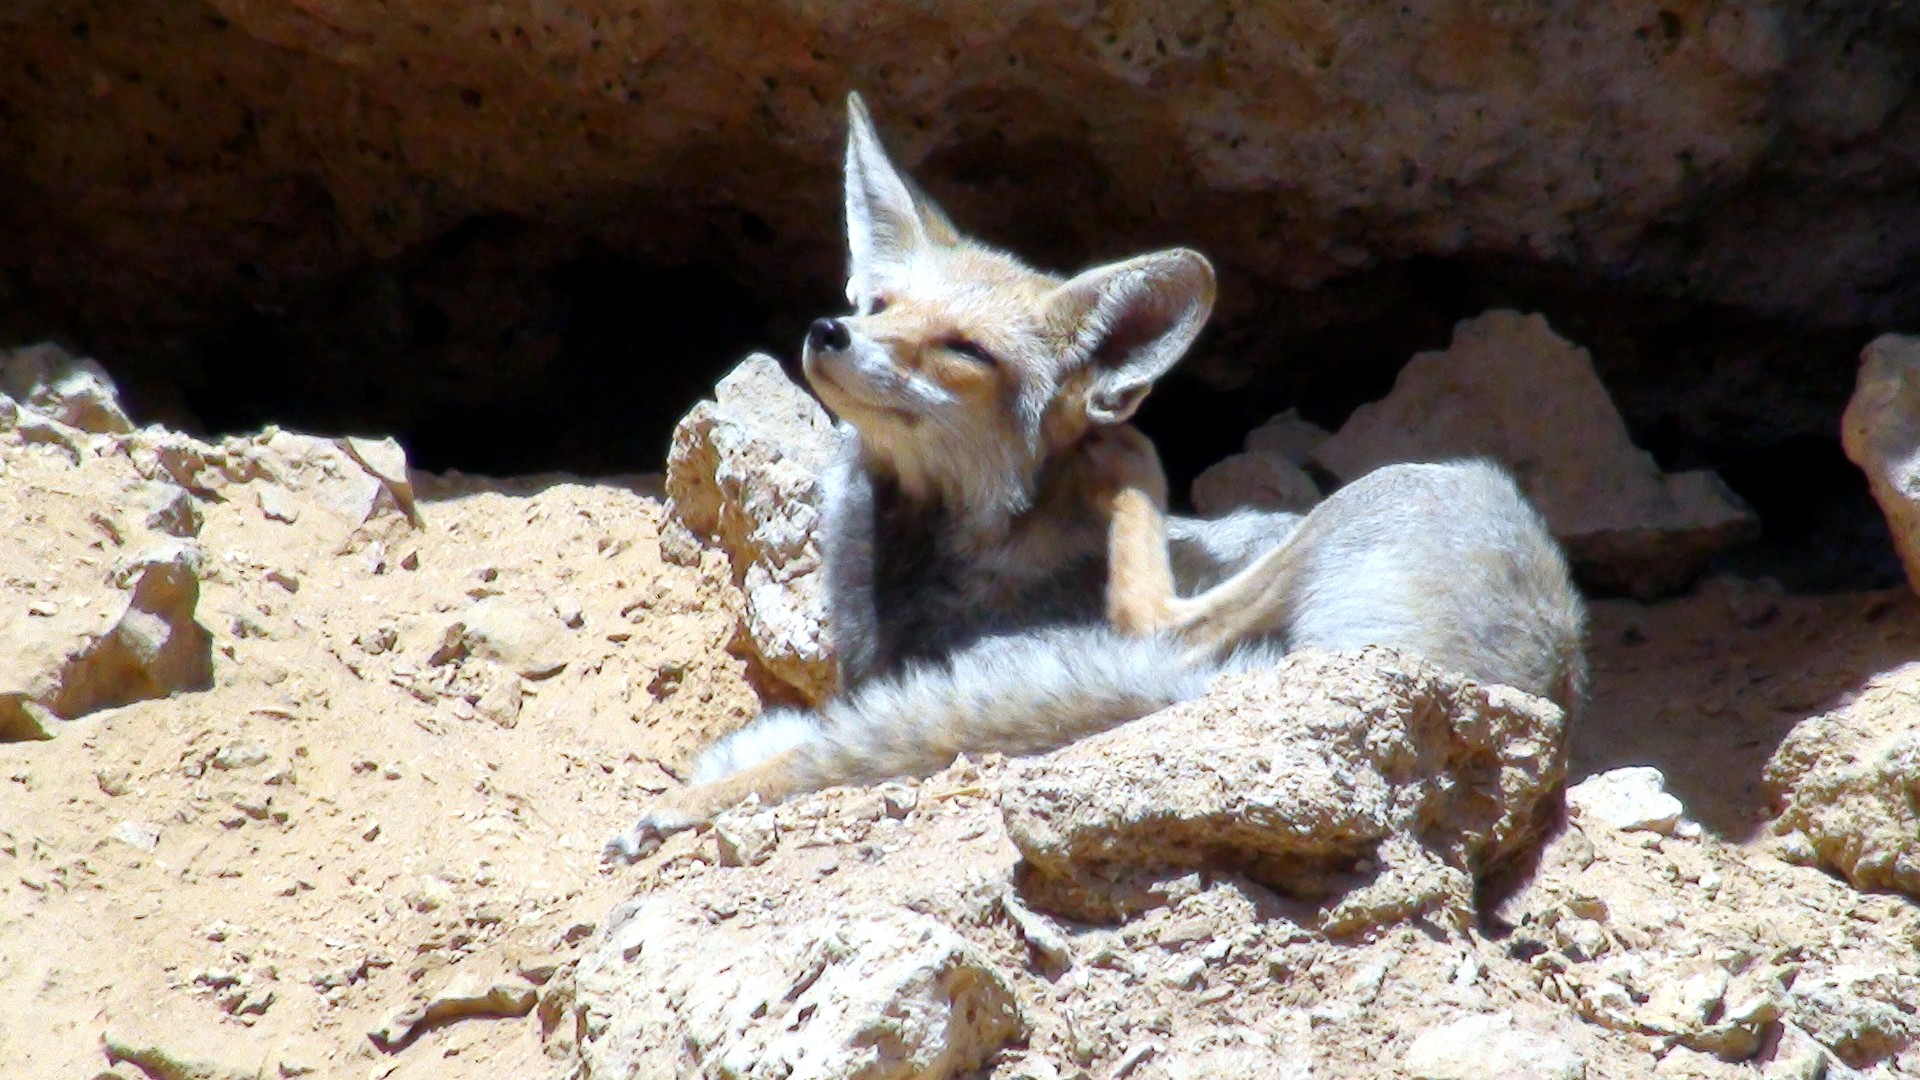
(828, 335)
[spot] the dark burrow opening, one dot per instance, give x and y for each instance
(493, 350)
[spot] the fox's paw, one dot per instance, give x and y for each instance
(1119, 459)
(646, 835)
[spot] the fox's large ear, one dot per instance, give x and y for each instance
(1132, 321)
(887, 220)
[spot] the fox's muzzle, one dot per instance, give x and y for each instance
(828, 335)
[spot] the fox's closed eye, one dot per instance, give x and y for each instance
(876, 305)
(969, 350)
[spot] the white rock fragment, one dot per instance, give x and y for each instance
(527, 640)
(1626, 799)
(1881, 433)
(1491, 1047)
(277, 504)
(144, 835)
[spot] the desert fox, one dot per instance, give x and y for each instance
(985, 452)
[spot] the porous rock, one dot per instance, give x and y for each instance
(1368, 779)
(878, 993)
(1268, 472)
(61, 668)
(1511, 389)
(1846, 785)
(744, 473)
(1881, 433)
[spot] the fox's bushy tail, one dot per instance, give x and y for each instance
(1018, 694)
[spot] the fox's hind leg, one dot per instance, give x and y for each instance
(1141, 595)
(773, 780)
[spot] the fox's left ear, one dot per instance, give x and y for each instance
(1132, 321)
(888, 221)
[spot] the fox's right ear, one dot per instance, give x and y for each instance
(1131, 321)
(887, 221)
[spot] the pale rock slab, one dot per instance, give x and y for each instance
(1511, 389)
(527, 640)
(744, 474)
(1366, 760)
(1881, 433)
(877, 993)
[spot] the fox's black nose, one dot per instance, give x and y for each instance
(828, 335)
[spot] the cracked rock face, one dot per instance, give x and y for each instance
(250, 161)
(1371, 778)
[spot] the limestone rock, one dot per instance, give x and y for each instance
(879, 992)
(153, 647)
(1267, 481)
(1848, 782)
(354, 480)
(744, 473)
(1862, 1012)
(1626, 799)
(1268, 473)
(1511, 389)
(1369, 779)
(1490, 1047)
(74, 391)
(1881, 433)
(169, 508)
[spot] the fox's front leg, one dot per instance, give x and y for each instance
(1140, 594)
(1133, 487)
(773, 780)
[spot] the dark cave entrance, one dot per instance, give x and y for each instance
(497, 350)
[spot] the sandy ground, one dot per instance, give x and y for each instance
(357, 818)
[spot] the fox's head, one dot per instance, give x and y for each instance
(964, 370)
